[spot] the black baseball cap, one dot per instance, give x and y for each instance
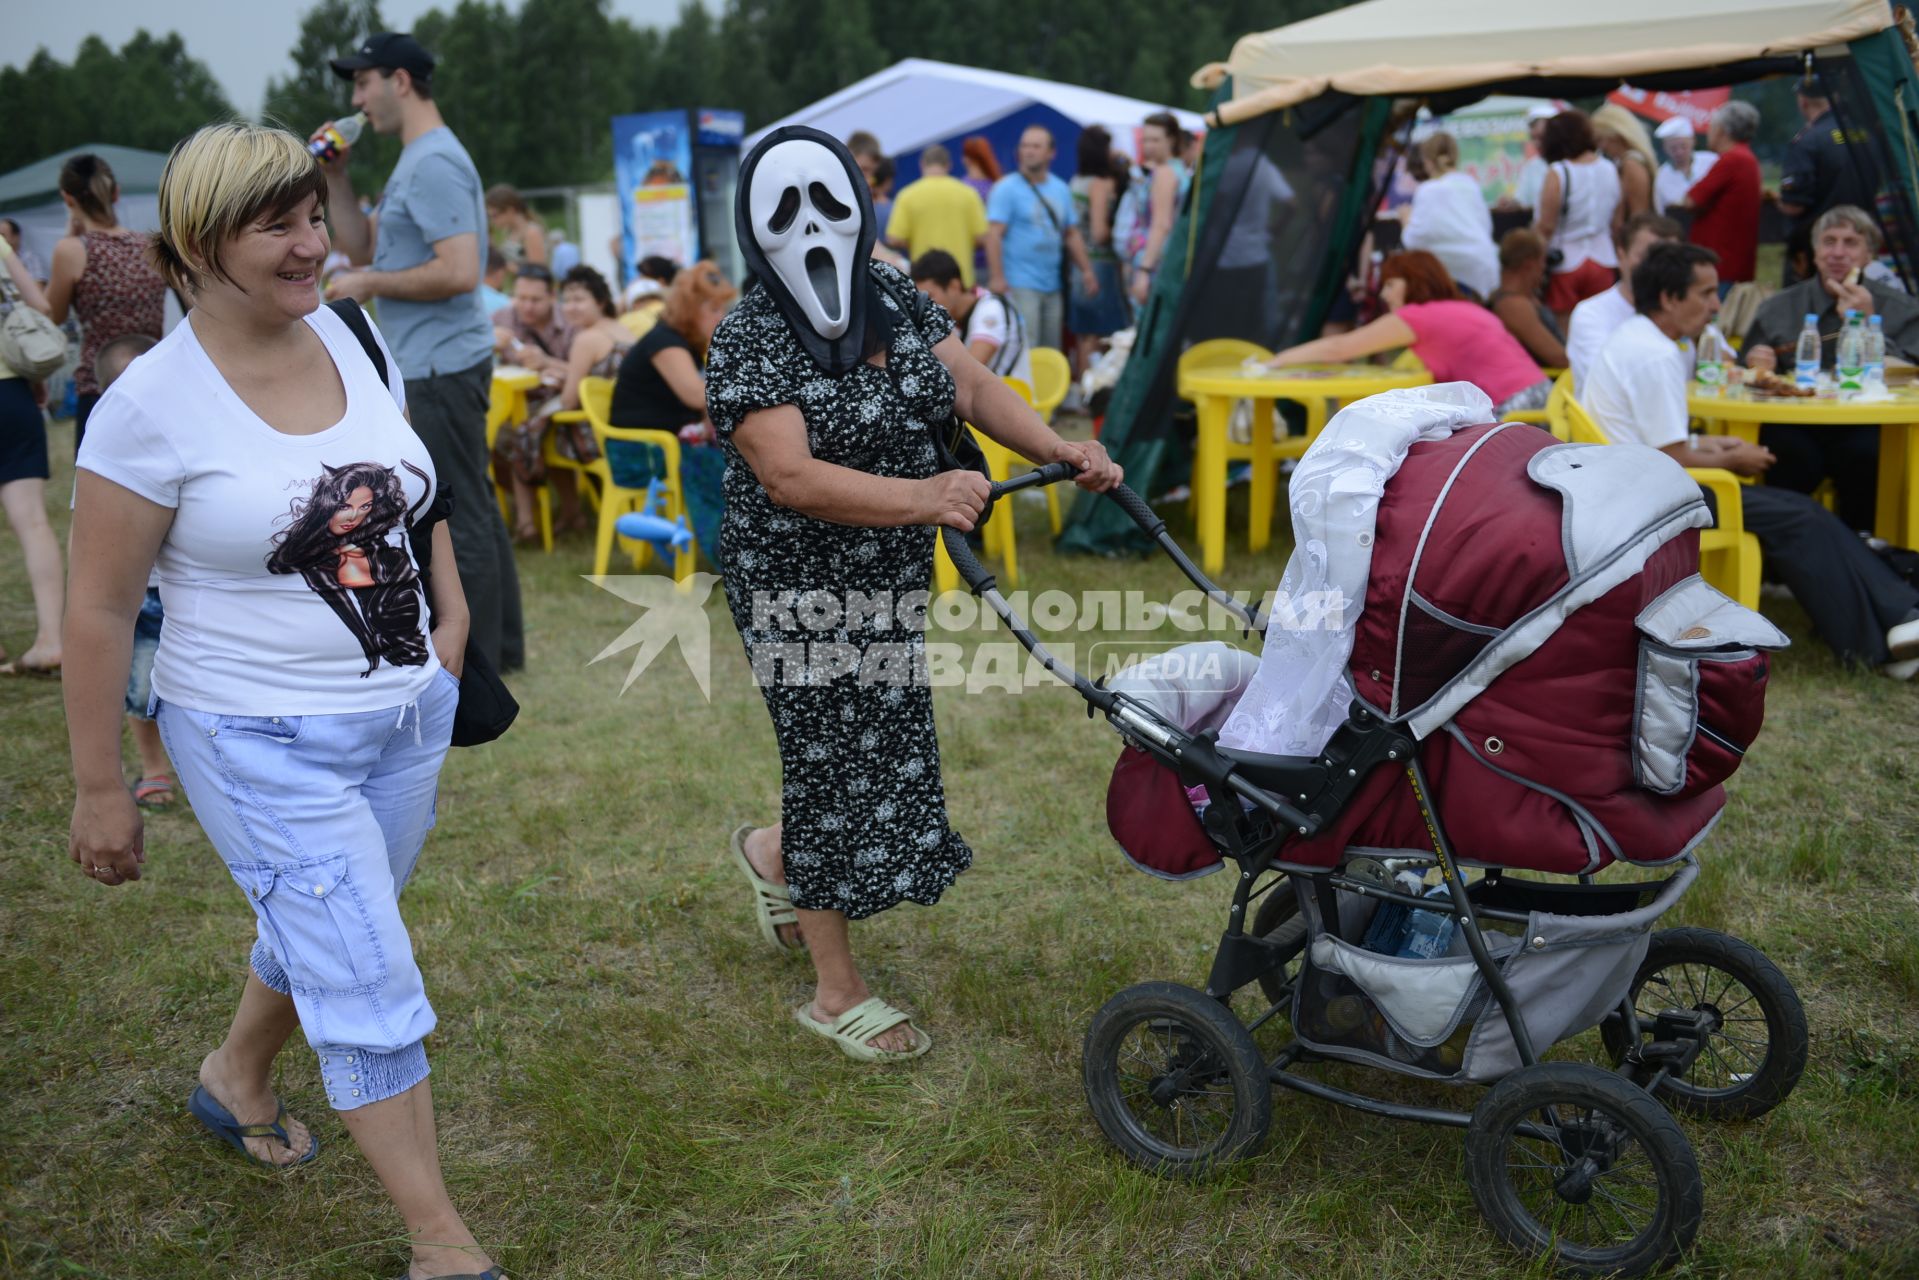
(388, 51)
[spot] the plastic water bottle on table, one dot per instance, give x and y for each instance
(1875, 353)
(1806, 363)
(1852, 353)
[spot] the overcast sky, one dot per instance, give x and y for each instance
(244, 41)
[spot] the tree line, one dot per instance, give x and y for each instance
(529, 90)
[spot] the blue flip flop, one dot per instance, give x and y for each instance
(234, 1134)
(491, 1273)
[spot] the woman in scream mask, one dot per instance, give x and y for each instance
(826, 386)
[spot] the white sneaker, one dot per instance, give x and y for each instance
(1901, 670)
(1903, 640)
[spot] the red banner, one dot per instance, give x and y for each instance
(1696, 105)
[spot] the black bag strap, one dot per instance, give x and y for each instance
(349, 311)
(1059, 228)
(953, 445)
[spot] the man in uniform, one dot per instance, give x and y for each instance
(1825, 166)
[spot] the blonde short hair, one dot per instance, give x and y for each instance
(217, 182)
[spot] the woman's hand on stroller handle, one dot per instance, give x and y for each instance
(1095, 469)
(954, 499)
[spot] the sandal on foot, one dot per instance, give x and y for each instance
(865, 1020)
(155, 792)
(234, 1134)
(491, 1273)
(772, 903)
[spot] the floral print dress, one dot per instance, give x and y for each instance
(833, 615)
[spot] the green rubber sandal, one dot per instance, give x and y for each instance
(852, 1029)
(772, 903)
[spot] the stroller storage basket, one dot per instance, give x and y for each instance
(1568, 968)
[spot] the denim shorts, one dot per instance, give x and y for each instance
(146, 641)
(320, 820)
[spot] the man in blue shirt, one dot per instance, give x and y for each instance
(425, 243)
(1030, 224)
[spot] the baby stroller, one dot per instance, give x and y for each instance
(1540, 682)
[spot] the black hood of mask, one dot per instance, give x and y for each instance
(869, 323)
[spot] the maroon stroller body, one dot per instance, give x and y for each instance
(1542, 684)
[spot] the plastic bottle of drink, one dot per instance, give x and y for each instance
(1875, 356)
(338, 136)
(1714, 356)
(1429, 933)
(1852, 353)
(1806, 364)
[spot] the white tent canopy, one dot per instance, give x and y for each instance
(1422, 46)
(917, 102)
(31, 195)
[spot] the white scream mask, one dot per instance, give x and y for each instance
(805, 218)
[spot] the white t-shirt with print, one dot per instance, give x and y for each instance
(993, 322)
(289, 584)
(1635, 390)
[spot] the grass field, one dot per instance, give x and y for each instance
(622, 1092)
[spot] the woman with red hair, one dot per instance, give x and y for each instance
(1459, 341)
(982, 166)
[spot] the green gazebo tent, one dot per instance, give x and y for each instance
(1302, 114)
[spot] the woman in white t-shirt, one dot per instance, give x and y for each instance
(307, 675)
(1577, 215)
(1449, 219)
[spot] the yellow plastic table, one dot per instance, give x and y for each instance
(1739, 412)
(514, 381)
(1214, 388)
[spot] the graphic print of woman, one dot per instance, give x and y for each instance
(348, 543)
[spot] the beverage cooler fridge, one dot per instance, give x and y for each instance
(676, 172)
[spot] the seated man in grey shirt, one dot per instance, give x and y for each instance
(426, 242)
(1844, 243)
(1636, 393)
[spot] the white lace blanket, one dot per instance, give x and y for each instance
(1300, 693)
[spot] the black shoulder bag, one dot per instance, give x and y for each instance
(486, 708)
(1556, 258)
(954, 447)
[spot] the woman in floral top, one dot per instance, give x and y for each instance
(101, 272)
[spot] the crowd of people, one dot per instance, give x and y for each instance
(1587, 175)
(330, 607)
(1567, 292)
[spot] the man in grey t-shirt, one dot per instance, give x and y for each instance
(426, 243)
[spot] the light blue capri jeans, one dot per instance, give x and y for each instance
(320, 819)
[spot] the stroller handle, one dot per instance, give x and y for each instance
(1051, 473)
(976, 577)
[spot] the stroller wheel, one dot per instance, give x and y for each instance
(1278, 921)
(1756, 1045)
(1175, 1081)
(1574, 1163)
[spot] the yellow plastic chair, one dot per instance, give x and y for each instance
(1052, 379)
(615, 499)
(1557, 420)
(1026, 393)
(998, 538)
(1728, 555)
(499, 413)
(499, 410)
